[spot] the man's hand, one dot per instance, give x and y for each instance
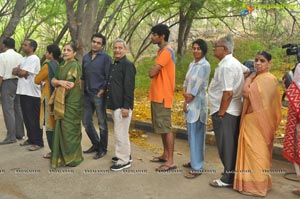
(125, 112)
(100, 93)
(15, 71)
(154, 70)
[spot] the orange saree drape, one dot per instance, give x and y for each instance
(261, 116)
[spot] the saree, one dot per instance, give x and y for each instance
(291, 142)
(67, 133)
(261, 116)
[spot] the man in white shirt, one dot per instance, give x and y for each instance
(225, 98)
(10, 100)
(30, 95)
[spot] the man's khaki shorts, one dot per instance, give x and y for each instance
(161, 118)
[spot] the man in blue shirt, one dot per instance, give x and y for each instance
(95, 70)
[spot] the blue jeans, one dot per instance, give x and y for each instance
(91, 104)
(196, 133)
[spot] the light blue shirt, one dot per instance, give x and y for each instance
(196, 82)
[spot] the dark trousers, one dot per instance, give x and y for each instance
(91, 105)
(31, 115)
(227, 132)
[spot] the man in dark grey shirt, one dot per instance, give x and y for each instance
(95, 69)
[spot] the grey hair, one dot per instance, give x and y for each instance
(228, 42)
(122, 41)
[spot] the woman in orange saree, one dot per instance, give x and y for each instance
(261, 116)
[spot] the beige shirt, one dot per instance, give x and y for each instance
(9, 60)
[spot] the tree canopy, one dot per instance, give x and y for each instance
(271, 22)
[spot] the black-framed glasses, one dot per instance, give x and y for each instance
(218, 46)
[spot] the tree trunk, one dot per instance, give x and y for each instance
(185, 23)
(81, 23)
(19, 8)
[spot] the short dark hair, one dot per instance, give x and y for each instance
(33, 44)
(54, 49)
(99, 35)
(161, 29)
(202, 44)
(267, 55)
(9, 43)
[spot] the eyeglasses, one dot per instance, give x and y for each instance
(218, 46)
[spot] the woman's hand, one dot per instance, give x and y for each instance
(185, 106)
(66, 84)
(188, 97)
(246, 87)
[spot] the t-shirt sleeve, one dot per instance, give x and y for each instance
(164, 57)
(32, 65)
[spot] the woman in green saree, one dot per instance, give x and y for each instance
(67, 133)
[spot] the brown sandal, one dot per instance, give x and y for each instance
(158, 159)
(192, 174)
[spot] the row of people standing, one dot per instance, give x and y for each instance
(244, 139)
(67, 89)
(245, 116)
(225, 96)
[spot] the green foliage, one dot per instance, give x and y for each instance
(142, 80)
(244, 50)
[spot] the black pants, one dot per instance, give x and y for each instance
(227, 132)
(31, 115)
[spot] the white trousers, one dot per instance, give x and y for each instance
(121, 130)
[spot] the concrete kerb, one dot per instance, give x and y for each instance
(181, 133)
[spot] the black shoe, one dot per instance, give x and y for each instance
(7, 142)
(99, 155)
(119, 167)
(115, 159)
(91, 150)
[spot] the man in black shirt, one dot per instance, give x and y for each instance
(95, 69)
(120, 97)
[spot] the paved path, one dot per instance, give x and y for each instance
(26, 175)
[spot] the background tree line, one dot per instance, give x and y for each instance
(60, 21)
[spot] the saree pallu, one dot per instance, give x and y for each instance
(291, 142)
(67, 133)
(261, 116)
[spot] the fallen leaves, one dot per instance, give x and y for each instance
(142, 112)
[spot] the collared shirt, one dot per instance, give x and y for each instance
(26, 86)
(121, 84)
(228, 77)
(196, 82)
(95, 71)
(9, 60)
